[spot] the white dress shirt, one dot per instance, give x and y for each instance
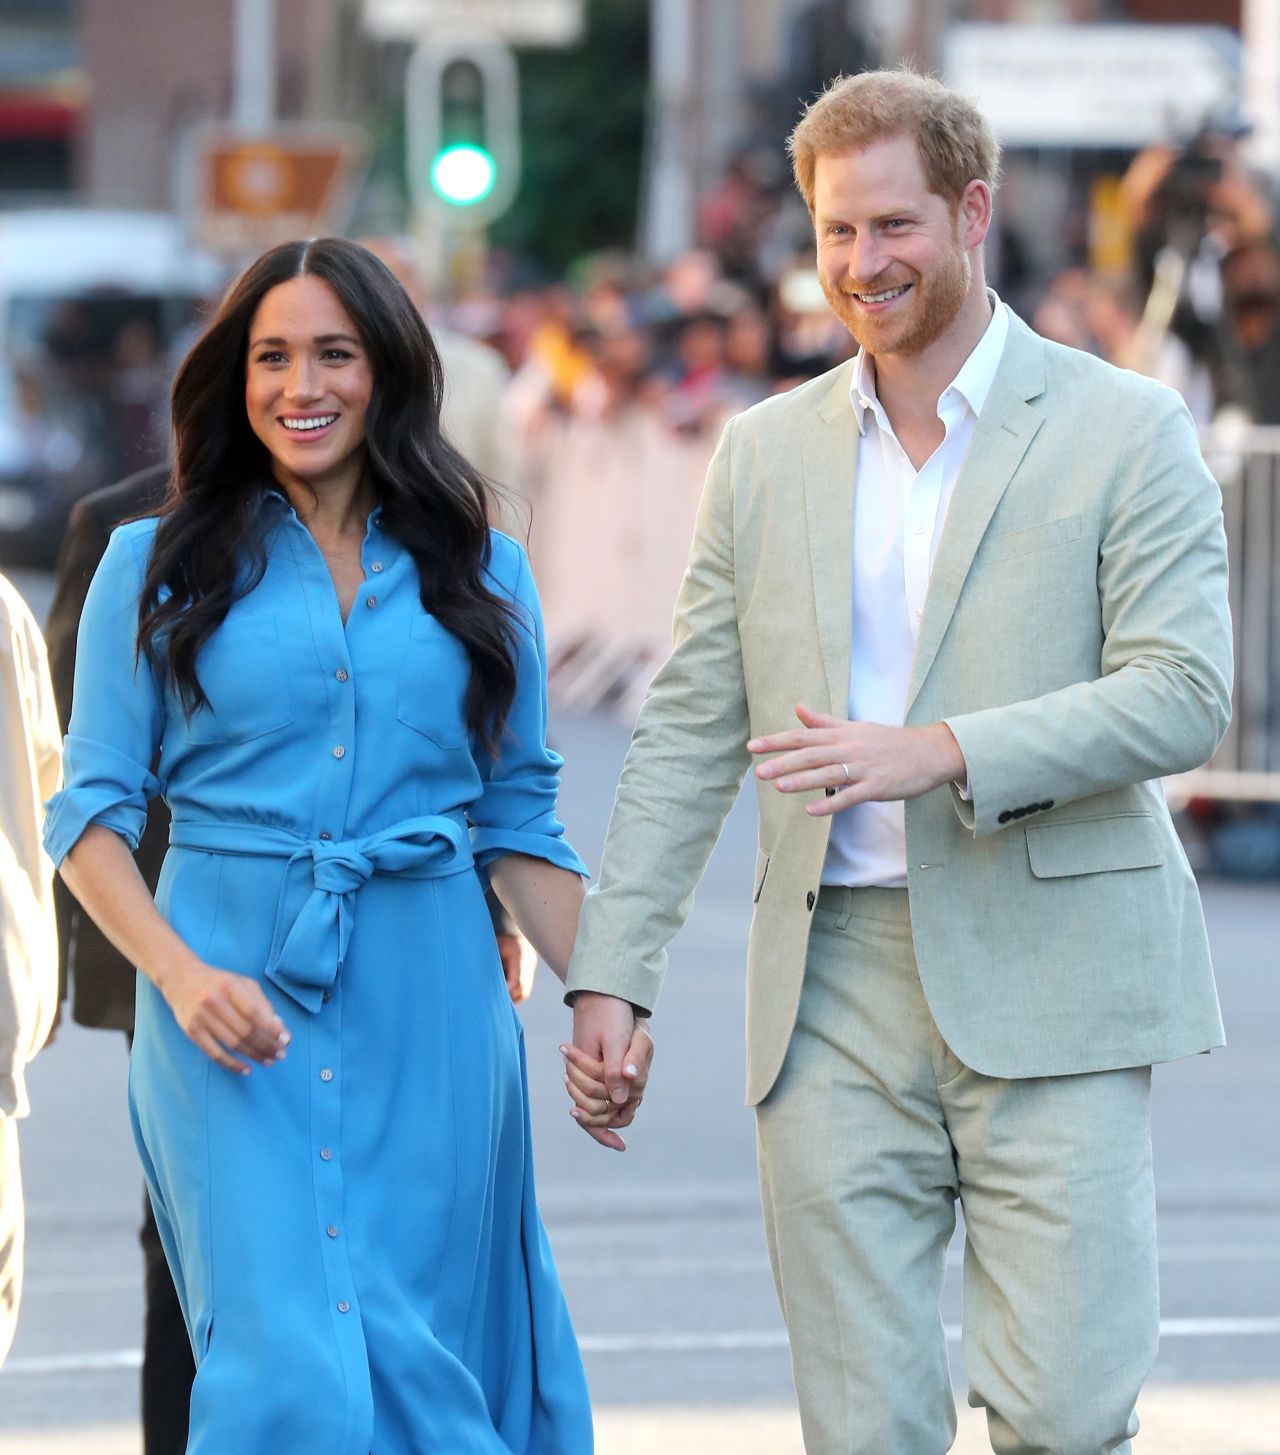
(898, 516)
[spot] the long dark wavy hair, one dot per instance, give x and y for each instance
(210, 543)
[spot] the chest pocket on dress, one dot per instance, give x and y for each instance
(239, 669)
(433, 683)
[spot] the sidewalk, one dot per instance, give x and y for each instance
(1241, 1419)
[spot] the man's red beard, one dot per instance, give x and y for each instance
(927, 310)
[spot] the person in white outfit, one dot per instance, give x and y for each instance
(30, 772)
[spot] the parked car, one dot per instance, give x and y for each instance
(95, 307)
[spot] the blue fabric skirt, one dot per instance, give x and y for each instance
(353, 1231)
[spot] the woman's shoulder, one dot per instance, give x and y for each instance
(508, 561)
(131, 543)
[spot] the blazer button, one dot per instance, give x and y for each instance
(1019, 813)
(808, 900)
(1047, 804)
(1004, 817)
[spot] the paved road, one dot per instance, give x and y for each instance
(661, 1249)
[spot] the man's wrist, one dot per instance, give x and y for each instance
(952, 767)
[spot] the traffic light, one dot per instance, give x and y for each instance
(462, 128)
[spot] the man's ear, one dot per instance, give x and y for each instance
(973, 214)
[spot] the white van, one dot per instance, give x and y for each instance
(92, 307)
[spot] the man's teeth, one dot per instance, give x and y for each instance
(882, 297)
(302, 425)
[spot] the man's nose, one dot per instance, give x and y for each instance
(866, 259)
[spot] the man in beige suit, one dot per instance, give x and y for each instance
(988, 575)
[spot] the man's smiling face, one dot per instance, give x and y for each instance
(890, 253)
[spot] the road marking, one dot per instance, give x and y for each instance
(757, 1263)
(714, 1343)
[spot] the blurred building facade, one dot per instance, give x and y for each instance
(154, 68)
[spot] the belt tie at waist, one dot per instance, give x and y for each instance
(306, 956)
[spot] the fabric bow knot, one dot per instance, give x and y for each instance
(307, 955)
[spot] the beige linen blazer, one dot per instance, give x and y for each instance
(1075, 636)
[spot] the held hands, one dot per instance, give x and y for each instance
(857, 762)
(228, 1016)
(607, 1067)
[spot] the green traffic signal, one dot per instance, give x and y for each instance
(463, 174)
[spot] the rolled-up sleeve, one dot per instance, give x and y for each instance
(516, 813)
(118, 709)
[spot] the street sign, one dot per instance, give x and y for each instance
(1097, 85)
(518, 22)
(250, 192)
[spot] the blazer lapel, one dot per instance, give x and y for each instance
(829, 456)
(1006, 428)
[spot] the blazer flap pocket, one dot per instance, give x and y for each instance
(1094, 845)
(1036, 537)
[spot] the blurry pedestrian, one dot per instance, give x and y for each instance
(340, 665)
(975, 928)
(100, 979)
(29, 773)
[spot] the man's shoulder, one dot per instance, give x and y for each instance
(792, 408)
(136, 495)
(1091, 381)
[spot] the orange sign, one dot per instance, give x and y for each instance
(256, 191)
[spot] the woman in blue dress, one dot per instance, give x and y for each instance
(333, 670)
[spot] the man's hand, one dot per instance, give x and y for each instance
(607, 1067)
(857, 762)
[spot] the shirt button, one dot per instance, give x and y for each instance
(326, 1154)
(342, 674)
(326, 1075)
(326, 997)
(339, 751)
(332, 1231)
(343, 1306)
(325, 835)
(376, 567)
(919, 530)
(372, 601)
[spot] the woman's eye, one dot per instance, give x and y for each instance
(340, 355)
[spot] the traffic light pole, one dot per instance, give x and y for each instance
(254, 54)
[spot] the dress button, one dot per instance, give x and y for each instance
(326, 1154)
(326, 1075)
(325, 997)
(339, 751)
(372, 601)
(342, 674)
(343, 1306)
(325, 835)
(332, 1231)
(376, 567)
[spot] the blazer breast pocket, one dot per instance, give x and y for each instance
(1060, 532)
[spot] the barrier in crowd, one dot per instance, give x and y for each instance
(614, 506)
(1246, 463)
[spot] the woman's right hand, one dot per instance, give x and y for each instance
(227, 1015)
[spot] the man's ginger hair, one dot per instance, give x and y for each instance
(955, 141)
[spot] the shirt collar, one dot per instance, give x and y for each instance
(972, 383)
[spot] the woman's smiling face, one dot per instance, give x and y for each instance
(308, 384)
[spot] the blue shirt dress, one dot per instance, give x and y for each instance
(353, 1230)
